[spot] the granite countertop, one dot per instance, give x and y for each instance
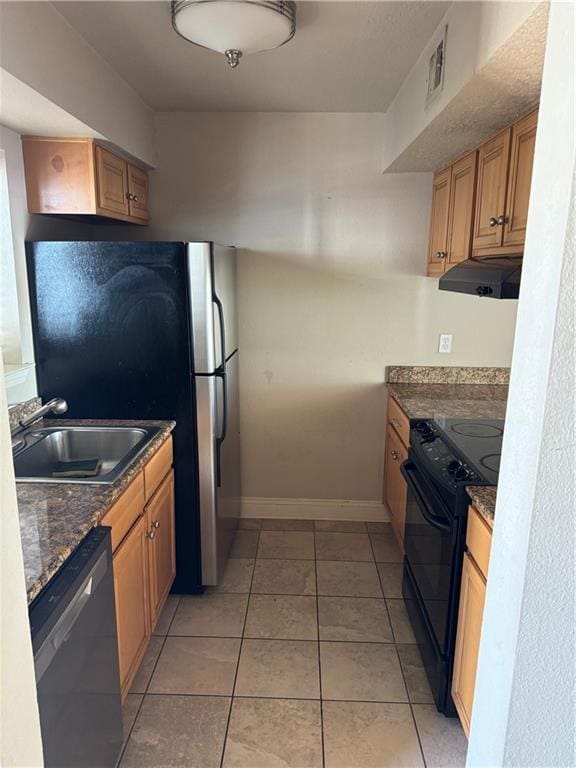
(55, 517)
(484, 499)
(428, 401)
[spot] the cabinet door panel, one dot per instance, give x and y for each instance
(138, 193)
(462, 192)
(161, 548)
(394, 483)
(520, 179)
(112, 182)
(438, 241)
(491, 190)
(470, 614)
(132, 601)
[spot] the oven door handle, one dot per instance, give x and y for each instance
(430, 517)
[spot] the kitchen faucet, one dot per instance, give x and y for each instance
(57, 405)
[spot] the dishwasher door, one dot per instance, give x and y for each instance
(73, 626)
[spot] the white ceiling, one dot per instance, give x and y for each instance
(346, 56)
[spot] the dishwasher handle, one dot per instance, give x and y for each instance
(65, 624)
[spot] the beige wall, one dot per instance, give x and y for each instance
(331, 286)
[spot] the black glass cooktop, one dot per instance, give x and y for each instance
(479, 441)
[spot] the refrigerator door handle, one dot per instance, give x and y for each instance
(220, 309)
(222, 436)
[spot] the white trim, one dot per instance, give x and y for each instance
(313, 509)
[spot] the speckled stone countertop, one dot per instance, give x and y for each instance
(472, 401)
(55, 517)
(484, 499)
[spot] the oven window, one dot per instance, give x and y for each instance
(429, 550)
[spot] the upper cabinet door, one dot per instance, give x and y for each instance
(520, 178)
(462, 191)
(138, 193)
(490, 213)
(438, 242)
(112, 183)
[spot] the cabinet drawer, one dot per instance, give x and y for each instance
(479, 540)
(126, 510)
(398, 419)
(157, 468)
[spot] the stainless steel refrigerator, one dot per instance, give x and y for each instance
(148, 330)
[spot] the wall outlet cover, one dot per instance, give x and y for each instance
(445, 343)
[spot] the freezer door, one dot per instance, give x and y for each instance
(225, 289)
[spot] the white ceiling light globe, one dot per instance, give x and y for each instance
(239, 26)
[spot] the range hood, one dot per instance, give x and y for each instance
(497, 278)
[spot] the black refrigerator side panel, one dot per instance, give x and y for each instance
(111, 335)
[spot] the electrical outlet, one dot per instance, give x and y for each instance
(445, 343)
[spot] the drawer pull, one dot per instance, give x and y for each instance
(151, 535)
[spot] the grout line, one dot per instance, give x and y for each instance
(233, 693)
(402, 668)
(165, 637)
(280, 698)
(319, 657)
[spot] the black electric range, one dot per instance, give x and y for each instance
(445, 455)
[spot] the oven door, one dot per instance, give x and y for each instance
(430, 539)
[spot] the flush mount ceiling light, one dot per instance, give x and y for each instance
(235, 27)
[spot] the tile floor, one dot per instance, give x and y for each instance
(302, 658)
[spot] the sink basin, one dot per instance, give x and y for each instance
(39, 450)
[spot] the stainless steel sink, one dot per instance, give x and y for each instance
(38, 451)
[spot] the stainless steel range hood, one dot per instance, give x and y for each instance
(497, 278)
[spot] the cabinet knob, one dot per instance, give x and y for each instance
(132, 197)
(441, 254)
(135, 198)
(156, 524)
(394, 455)
(497, 222)
(151, 535)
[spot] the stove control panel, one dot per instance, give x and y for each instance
(441, 459)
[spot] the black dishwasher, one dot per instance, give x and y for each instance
(73, 626)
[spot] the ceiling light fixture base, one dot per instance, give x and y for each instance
(233, 57)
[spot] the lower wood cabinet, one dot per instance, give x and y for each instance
(131, 586)
(161, 544)
(144, 559)
(470, 614)
(397, 436)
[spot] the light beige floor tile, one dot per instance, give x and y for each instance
(288, 545)
(287, 525)
(340, 526)
(147, 665)
(284, 617)
(361, 672)
(348, 579)
(370, 736)
(400, 622)
(383, 527)
(391, 578)
(415, 675)
(196, 665)
(245, 544)
(386, 549)
(284, 577)
(343, 546)
(236, 578)
(210, 615)
(267, 733)
(129, 711)
(178, 732)
(278, 668)
(443, 739)
(249, 524)
(356, 619)
(163, 623)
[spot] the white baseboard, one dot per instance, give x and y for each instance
(314, 509)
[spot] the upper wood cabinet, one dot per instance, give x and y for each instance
(452, 214)
(438, 241)
(518, 195)
(480, 203)
(491, 191)
(79, 177)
